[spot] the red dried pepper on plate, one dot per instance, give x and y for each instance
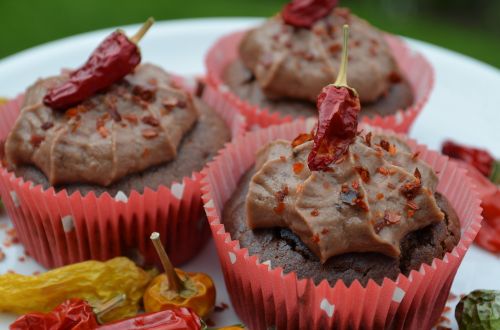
(73, 314)
(171, 319)
(481, 159)
(485, 171)
(304, 13)
(338, 106)
(113, 59)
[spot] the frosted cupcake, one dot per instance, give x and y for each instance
(89, 173)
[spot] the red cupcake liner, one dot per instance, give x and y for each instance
(489, 235)
(265, 296)
(58, 228)
(415, 67)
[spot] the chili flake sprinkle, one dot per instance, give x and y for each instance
(412, 205)
(151, 121)
(36, 140)
(383, 171)
(47, 125)
(363, 173)
(368, 139)
(392, 149)
(315, 238)
(385, 145)
(280, 208)
(411, 189)
(315, 212)
(181, 104)
(302, 138)
(298, 167)
(380, 196)
(144, 93)
(170, 103)
(103, 131)
(417, 174)
(391, 217)
(149, 133)
(131, 119)
(280, 195)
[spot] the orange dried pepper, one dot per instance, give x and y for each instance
(176, 288)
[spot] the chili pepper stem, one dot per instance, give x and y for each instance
(142, 31)
(342, 75)
(174, 280)
(341, 80)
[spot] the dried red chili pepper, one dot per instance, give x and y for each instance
(485, 171)
(170, 319)
(73, 314)
(304, 13)
(481, 159)
(113, 59)
(338, 106)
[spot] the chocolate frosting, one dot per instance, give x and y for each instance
(297, 63)
(137, 123)
(368, 202)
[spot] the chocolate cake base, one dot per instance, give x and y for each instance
(197, 148)
(241, 81)
(286, 250)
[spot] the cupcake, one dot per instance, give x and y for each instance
(285, 271)
(282, 65)
(340, 227)
(89, 177)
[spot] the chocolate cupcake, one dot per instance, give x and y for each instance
(282, 276)
(373, 216)
(143, 132)
(97, 158)
(281, 66)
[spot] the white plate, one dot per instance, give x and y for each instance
(465, 106)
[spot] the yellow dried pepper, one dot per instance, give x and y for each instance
(93, 281)
(3, 100)
(176, 288)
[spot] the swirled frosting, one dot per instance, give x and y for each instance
(296, 63)
(137, 123)
(367, 202)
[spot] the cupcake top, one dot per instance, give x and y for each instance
(368, 201)
(136, 123)
(296, 62)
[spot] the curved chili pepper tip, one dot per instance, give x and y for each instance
(174, 281)
(142, 31)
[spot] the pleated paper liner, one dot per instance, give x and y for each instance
(414, 66)
(489, 235)
(264, 296)
(58, 229)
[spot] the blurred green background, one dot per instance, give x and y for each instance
(469, 27)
